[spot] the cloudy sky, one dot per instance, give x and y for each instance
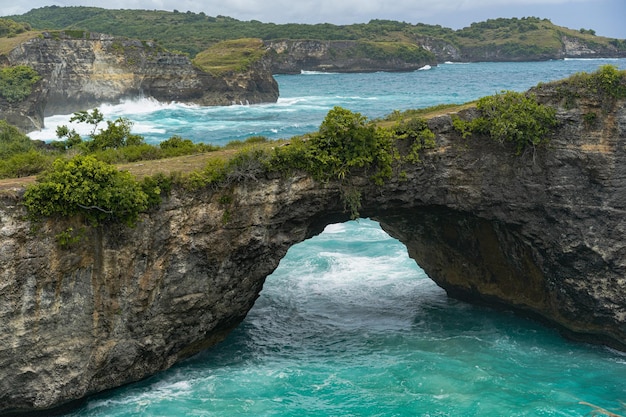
(606, 17)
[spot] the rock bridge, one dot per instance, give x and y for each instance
(542, 233)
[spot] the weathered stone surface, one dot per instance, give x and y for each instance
(293, 56)
(542, 233)
(79, 74)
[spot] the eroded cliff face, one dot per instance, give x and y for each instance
(294, 56)
(79, 74)
(541, 233)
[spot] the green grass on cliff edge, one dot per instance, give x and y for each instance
(231, 55)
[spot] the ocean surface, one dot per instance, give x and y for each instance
(349, 325)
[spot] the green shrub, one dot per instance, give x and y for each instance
(234, 144)
(256, 139)
(155, 187)
(116, 135)
(69, 237)
(16, 82)
(590, 119)
(417, 131)
(214, 173)
(87, 187)
(605, 85)
(24, 164)
(177, 146)
(290, 157)
(609, 81)
(76, 34)
(132, 153)
(345, 140)
(176, 142)
(12, 141)
(247, 164)
(10, 28)
(511, 117)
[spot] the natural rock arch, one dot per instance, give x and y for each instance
(541, 233)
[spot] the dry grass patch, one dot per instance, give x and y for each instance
(8, 44)
(232, 55)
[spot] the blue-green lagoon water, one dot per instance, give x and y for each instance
(348, 325)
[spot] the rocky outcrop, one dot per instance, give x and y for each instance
(515, 51)
(541, 233)
(82, 73)
(294, 56)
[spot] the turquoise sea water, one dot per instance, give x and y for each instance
(348, 325)
(305, 100)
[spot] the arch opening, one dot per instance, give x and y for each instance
(349, 324)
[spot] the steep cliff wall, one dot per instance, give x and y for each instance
(541, 233)
(294, 56)
(562, 46)
(82, 73)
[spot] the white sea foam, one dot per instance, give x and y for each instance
(303, 72)
(335, 228)
(145, 397)
(592, 59)
(129, 109)
(140, 106)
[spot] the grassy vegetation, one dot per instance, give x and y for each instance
(607, 83)
(511, 117)
(16, 82)
(11, 28)
(387, 50)
(8, 43)
(93, 189)
(231, 55)
(425, 112)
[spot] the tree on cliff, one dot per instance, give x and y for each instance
(116, 135)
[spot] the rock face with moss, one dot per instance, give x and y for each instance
(541, 233)
(294, 56)
(83, 70)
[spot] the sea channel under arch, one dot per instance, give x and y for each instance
(350, 325)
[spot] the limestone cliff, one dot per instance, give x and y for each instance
(294, 56)
(542, 233)
(563, 46)
(83, 72)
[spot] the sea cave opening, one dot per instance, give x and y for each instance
(354, 280)
(349, 324)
